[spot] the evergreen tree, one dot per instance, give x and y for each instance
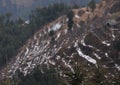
(70, 16)
(92, 5)
(116, 45)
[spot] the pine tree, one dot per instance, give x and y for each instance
(92, 5)
(70, 16)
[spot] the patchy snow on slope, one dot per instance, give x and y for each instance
(118, 67)
(82, 41)
(113, 36)
(56, 27)
(105, 43)
(29, 64)
(87, 12)
(76, 16)
(65, 31)
(58, 57)
(40, 34)
(58, 35)
(76, 43)
(27, 22)
(90, 46)
(97, 56)
(78, 25)
(45, 32)
(89, 59)
(35, 37)
(106, 54)
(52, 63)
(67, 65)
(67, 19)
(25, 72)
(27, 50)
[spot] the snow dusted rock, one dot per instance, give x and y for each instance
(56, 27)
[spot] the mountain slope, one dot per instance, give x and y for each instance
(92, 43)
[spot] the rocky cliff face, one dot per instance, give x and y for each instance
(92, 43)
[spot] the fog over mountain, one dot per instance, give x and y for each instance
(22, 8)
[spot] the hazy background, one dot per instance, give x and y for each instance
(22, 8)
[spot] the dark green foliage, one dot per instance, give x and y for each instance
(116, 45)
(70, 16)
(20, 21)
(12, 36)
(38, 77)
(51, 33)
(92, 5)
(41, 16)
(44, 76)
(76, 6)
(52, 40)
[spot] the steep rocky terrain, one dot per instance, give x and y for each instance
(92, 43)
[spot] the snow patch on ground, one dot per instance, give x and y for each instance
(105, 43)
(76, 16)
(67, 19)
(56, 27)
(78, 25)
(68, 65)
(27, 50)
(76, 44)
(58, 57)
(27, 22)
(106, 54)
(87, 12)
(97, 56)
(89, 59)
(113, 36)
(118, 67)
(58, 35)
(35, 37)
(51, 62)
(82, 41)
(65, 31)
